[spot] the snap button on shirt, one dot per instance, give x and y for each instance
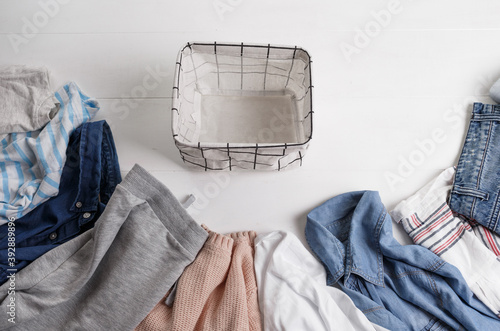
(78, 204)
(86, 215)
(52, 236)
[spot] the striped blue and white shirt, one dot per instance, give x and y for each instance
(31, 163)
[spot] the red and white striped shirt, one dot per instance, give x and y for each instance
(473, 249)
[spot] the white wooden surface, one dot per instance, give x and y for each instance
(414, 79)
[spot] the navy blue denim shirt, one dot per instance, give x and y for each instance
(397, 287)
(89, 178)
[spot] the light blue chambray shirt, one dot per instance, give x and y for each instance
(397, 287)
(31, 163)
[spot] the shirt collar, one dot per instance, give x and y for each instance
(345, 232)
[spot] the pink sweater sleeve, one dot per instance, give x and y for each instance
(218, 291)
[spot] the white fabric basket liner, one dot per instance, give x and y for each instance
(242, 96)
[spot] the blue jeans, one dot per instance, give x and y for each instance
(395, 286)
(476, 188)
(89, 177)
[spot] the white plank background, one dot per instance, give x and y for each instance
(416, 76)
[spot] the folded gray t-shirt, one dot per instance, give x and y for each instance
(26, 101)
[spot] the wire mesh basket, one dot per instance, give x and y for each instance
(242, 106)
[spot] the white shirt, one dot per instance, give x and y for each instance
(293, 294)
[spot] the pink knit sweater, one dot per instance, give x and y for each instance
(218, 291)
